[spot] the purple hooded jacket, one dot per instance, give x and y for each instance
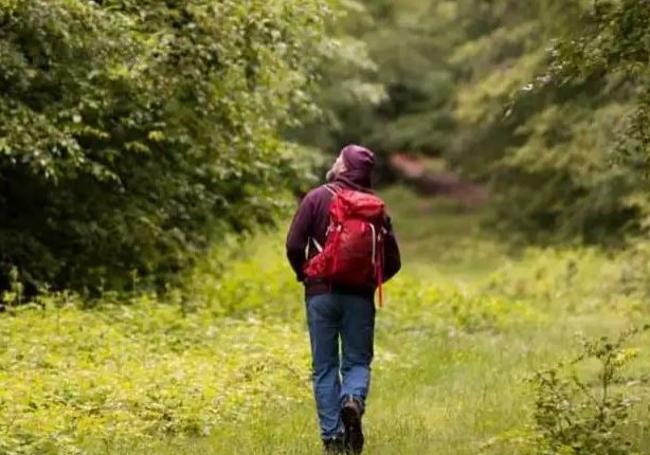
(312, 220)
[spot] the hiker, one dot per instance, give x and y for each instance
(341, 263)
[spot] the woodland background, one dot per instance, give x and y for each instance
(151, 152)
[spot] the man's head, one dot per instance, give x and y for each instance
(354, 163)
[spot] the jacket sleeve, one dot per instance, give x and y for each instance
(298, 236)
(392, 259)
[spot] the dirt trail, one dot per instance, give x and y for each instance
(414, 170)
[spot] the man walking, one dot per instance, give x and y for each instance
(340, 311)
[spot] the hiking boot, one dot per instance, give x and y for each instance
(334, 446)
(351, 416)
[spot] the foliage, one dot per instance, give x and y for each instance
(397, 98)
(256, 280)
(616, 42)
(227, 356)
(613, 45)
(134, 133)
(576, 416)
(75, 374)
(544, 148)
(136, 373)
(347, 82)
(436, 308)
(506, 92)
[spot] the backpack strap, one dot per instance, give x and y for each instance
(318, 246)
(332, 189)
(373, 229)
(378, 259)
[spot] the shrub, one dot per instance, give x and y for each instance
(132, 133)
(581, 416)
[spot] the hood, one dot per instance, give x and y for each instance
(359, 163)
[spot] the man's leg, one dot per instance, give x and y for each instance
(324, 317)
(357, 332)
(358, 337)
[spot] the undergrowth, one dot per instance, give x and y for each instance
(177, 367)
(80, 377)
(581, 414)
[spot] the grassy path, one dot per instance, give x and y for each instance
(454, 396)
(442, 390)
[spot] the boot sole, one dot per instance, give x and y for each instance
(353, 431)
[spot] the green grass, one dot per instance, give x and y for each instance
(462, 329)
(442, 240)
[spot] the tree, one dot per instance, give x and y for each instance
(469, 80)
(132, 133)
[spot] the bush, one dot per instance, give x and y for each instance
(132, 133)
(584, 416)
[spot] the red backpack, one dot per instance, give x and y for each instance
(353, 254)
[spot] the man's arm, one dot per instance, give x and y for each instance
(298, 237)
(392, 259)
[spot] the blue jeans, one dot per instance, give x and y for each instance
(337, 377)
